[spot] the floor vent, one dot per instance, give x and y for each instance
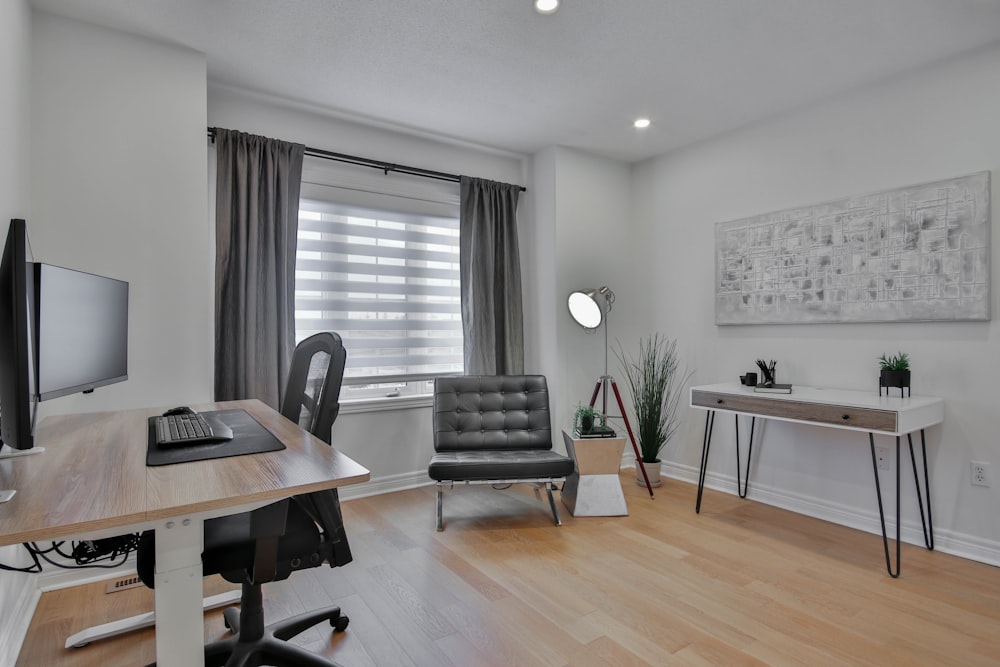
(122, 584)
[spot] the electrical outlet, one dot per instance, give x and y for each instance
(883, 460)
(980, 473)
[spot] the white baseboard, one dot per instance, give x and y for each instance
(946, 541)
(17, 618)
(387, 484)
(950, 542)
(54, 578)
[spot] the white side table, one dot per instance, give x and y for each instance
(594, 488)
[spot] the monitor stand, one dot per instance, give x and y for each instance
(8, 453)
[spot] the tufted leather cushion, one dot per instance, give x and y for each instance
(498, 464)
(491, 412)
(493, 427)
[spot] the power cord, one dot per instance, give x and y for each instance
(106, 553)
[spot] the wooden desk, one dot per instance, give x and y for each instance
(594, 487)
(92, 481)
(834, 408)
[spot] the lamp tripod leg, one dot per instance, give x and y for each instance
(628, 426)
(635, 449)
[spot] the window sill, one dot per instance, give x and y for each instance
(385, 404)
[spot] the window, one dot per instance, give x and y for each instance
(388, 283)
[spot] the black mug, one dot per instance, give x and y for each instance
(750, 379)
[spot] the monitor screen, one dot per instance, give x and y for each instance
(81, 331)
(16, 296)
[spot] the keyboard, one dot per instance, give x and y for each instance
(192, 429)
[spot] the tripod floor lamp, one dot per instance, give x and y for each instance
(585, 307)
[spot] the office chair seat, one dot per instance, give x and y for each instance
(229, 546)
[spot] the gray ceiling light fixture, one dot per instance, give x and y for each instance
(590, 308)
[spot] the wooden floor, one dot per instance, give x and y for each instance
(740, 584)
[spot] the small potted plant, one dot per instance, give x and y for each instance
(895, 372)
(585, 418)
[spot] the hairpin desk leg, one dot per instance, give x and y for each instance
(742, 488)
(881, 512)
(927, 525)
(706, 443)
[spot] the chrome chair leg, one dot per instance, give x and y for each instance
(440, 521)
(552, 504)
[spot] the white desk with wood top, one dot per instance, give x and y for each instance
(92, 481)
(833, 408)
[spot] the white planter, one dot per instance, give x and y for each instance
(652, 471)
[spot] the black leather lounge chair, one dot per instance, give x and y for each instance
(494, 429)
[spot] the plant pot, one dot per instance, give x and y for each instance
(652, 471)
(586, 424)
(889, 379)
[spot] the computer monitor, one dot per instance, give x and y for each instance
(16, 348)
(61, 332)
(81, 331)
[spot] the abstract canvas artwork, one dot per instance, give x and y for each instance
(919, 253)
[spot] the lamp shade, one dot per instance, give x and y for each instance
(585, 309)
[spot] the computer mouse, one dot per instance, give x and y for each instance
(183, 410)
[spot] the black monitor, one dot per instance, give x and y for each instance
(16, 297)
(81, 331)
(61, 332)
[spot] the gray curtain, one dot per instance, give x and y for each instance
(256, 221)
(490, 269)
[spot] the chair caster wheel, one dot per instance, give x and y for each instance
(340, 623)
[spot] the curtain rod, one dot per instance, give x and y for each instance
(385, 167)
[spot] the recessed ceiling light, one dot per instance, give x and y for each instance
(641, 123)
(546, 6)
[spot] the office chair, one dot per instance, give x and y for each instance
(494, 429)
(270, 543)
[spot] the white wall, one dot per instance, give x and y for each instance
(940, 123)
(396, 444)
(17, 596)
(115, 184)
(592, 230)
(119, 188)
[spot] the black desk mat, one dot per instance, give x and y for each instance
(249, 437)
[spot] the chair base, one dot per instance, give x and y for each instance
(252, 644)
(549, 483)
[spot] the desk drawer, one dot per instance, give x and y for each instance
(832, 415)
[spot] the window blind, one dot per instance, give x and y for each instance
(387, 282)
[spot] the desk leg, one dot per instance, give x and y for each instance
(741, 489)
(706, 443)
(881, 512)
(180, 632)
(927, 525)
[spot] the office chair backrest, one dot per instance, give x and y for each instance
(312, 394)
(312, 400)
(491, 412)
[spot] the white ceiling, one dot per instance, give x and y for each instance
(495, 73)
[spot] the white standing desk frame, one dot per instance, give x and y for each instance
(114, 492)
